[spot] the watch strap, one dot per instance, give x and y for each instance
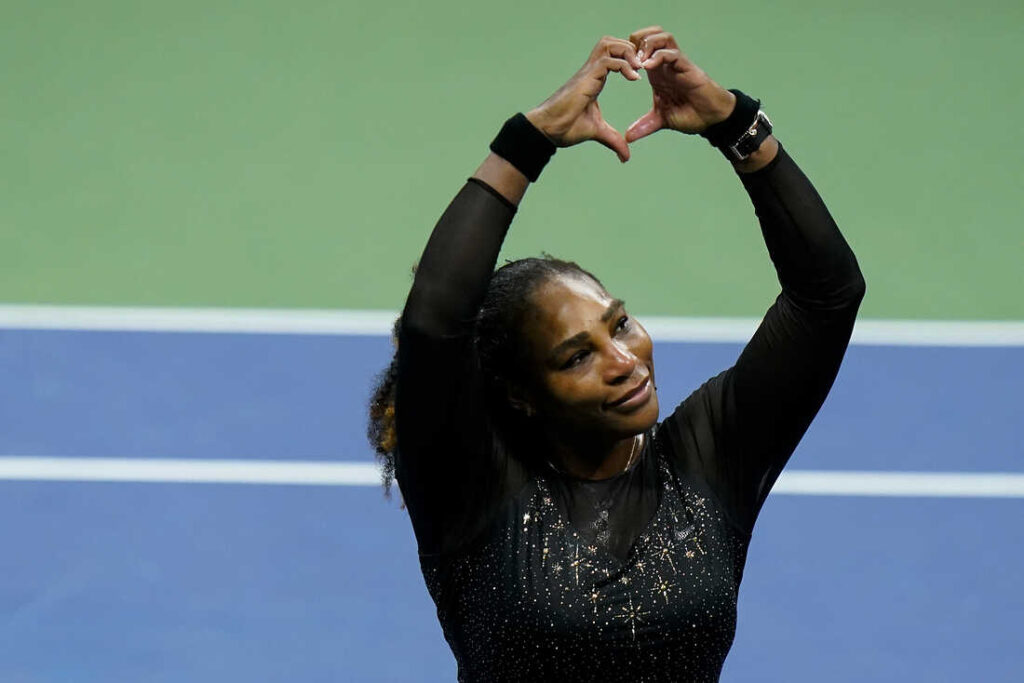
(742, 133)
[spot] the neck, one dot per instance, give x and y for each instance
(592, 459)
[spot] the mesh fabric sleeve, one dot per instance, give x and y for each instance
(739, 429)
(442, 465)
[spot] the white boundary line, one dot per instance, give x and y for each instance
(322, 473)
(239, 320)
(910, 484)
(182, 471)
(376, 323)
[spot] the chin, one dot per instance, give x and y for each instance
(644, 418)
(650, 414)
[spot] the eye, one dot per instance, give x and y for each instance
(575, 359)
(623, 325)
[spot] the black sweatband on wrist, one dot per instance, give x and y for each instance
(727, 132)
(522, 145)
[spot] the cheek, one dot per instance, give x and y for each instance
(643, 347)
(568, 394)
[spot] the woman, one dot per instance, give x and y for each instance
(564, 534)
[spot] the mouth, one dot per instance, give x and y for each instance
(634, 397)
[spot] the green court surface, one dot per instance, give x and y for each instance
(266, 154)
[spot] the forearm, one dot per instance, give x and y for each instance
(502, 176)
(457, 263)
(815, 265)
(764, 155)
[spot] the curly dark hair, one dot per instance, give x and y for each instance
(499, 358)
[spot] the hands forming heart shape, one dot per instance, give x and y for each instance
(685, 98)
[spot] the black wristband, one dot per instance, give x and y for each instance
(727, 132)
(522, 145)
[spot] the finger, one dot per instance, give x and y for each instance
(617, 47)
(607, 64)
(612, 139)
(637, 36)
(651, 42)
(673, 57)
(624, 50)
(651, 122)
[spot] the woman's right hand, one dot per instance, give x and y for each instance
(572, 115)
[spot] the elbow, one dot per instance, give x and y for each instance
(839, 290)
(847, 293)
(425, 313)
(856, 287)
(433, 317)
(848, 286)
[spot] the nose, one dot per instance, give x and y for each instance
(621, 363)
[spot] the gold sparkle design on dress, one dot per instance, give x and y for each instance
(681, 529)
(632, 615)
(578, 562)
(663, 588)
(665, 552)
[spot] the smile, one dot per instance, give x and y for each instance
(634, 397)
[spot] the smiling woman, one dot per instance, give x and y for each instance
(564, 533)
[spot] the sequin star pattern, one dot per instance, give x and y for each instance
(663, 588)
(632, 615)
(538, 601)
(665, 552)
(577, 563)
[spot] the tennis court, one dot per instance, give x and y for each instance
(209, 219)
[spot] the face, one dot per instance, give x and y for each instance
(594, 366)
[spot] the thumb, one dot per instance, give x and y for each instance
(613, 140)
(650, 122)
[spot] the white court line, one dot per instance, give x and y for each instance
(181, 471)
(910, 484)
(377, 323)
(322, 473)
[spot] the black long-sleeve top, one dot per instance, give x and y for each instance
(540, 576)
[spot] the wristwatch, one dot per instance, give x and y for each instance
(751, 140)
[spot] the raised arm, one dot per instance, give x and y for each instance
(740, 428)
(442, 464)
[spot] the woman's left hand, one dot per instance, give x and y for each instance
(685, 98)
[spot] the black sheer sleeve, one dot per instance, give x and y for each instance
(739, 429)
(442, 466)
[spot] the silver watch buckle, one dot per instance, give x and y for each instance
(749, 134)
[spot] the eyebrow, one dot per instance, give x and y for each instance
(581, 337)
(611, 310)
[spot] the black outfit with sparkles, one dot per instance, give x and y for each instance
(538, 576)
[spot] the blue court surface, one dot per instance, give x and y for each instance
(106, 581)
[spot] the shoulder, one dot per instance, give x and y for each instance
(698, 417)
